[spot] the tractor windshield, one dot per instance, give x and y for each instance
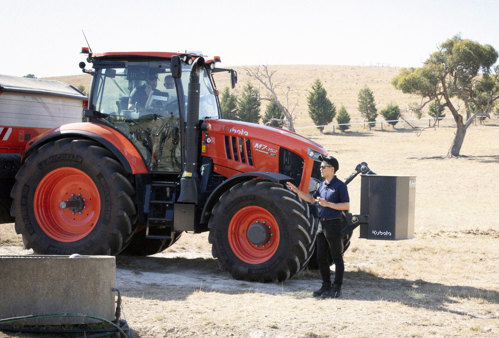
(141, 99)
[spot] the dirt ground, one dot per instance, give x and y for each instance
(443, 282)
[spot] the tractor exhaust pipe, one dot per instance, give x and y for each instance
(189, 183)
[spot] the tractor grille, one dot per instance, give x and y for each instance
(238, 149)
(291, 164)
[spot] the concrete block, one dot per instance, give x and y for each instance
(41, 285)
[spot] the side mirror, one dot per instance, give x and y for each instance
(82, 66)
(176, 67)
(233, 78)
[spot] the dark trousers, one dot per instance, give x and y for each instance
(330, 246)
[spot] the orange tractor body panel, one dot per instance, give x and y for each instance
(118, 140)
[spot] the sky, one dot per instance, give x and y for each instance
(44, 38)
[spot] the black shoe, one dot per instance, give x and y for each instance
(326, 287)
(333, 292)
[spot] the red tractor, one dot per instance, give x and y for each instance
(154, 159)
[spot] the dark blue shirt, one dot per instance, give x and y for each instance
(336, 191)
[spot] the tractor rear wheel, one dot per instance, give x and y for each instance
(73, 196)
(142, 246)
(261, 231)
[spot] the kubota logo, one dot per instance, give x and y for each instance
(382, 233)
(233, 130)
(5, 133)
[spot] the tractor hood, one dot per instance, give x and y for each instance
(238, 147)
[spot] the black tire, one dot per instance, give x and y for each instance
(142, 246)
(101, 225)
(9, 165)
(259, 205)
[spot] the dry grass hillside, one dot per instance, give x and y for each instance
(341, 82)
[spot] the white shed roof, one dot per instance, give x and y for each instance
(37, 86)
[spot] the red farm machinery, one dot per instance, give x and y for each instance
(153, 159)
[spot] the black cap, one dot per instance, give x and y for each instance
(331, 161)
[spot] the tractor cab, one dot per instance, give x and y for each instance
(139, 96)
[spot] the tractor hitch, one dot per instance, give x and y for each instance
(361, 168)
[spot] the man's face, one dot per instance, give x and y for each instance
(327, 170)
(153, 82)
(169, 82)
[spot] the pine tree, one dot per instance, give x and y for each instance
(273, 115)
(249, 104)
(320, 108)
(228, 105)
(343, 118)
(391, 114)
(367, 107)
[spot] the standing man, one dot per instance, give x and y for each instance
(332, 198)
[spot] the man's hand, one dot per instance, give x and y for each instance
(292, 187)
(322, 202)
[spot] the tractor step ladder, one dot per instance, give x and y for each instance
(160, 198)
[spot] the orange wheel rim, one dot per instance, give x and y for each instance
(67, 204)
(254, 235)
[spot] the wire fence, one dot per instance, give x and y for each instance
(401, 123)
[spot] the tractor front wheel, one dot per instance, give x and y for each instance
(261, 231)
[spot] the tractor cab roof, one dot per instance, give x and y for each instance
(187, 57)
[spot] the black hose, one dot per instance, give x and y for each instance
(115, 327)
(117, 314)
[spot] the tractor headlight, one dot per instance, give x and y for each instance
(314, 154)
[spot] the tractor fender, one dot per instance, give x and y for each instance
(111, 139)
(232, 181)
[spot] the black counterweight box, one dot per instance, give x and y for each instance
(387, 207)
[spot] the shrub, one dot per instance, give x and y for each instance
(435, 110)
(343, 119)
(391, 114)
